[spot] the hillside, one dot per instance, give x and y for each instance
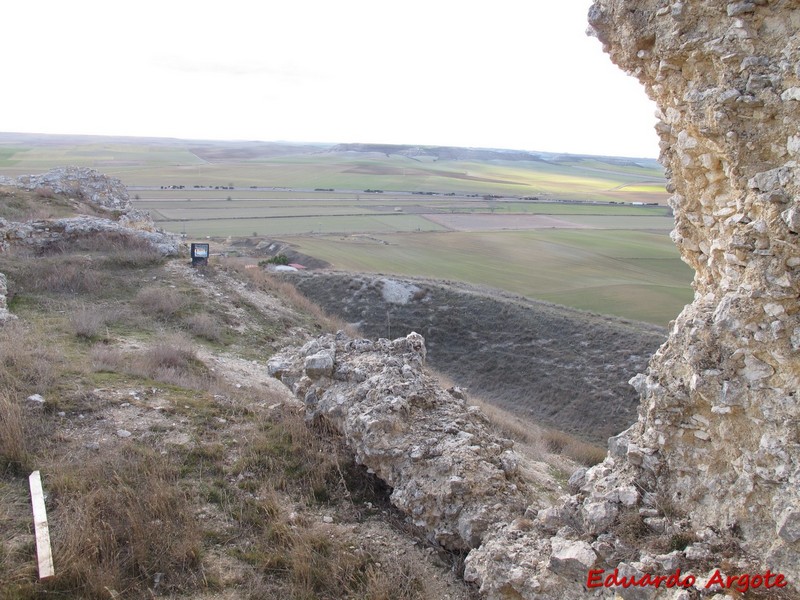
(561, 368)
(173, 462)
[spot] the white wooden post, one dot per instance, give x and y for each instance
(43, 550)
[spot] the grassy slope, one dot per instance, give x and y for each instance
(563, 368)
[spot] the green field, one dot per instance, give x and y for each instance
(631, 274)
(283, 226)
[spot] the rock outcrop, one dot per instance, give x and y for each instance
(103, 194)
(41, 234)
(714, 459)
(448, 473)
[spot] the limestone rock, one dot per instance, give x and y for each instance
(572, 559)
(40, 234)
(716, 436)
(102, 192)
(319, 364)
(448, 473)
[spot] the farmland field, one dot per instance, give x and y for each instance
(586, 232)
(152, 162)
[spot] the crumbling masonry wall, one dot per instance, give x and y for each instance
(714, 458)
(718, 431)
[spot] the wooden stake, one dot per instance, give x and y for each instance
(43, 551)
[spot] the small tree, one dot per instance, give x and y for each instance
(279, 259)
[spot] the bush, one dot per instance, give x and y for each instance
(278, 259)
(89, 322)
(204, 325)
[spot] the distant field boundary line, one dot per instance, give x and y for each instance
(380, 214)
(403, 214)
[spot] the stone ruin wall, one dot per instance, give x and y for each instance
(104, 195)
(718, 432)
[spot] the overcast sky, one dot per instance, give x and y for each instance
(517, 74)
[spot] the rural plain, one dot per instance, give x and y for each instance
(583, 231)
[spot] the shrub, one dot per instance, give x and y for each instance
(87, 321)
(160, 302)
(204, 325)
(278, 259)
(107, 358)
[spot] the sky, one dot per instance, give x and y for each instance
(518, 74)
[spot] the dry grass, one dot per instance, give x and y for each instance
(161, 302)
(206, 326)
(29, 361)
(22, 205)
(307, 561)
(17, 428)
(293, 456)
(70, 276)
(288, 293)
(559, 442)
(172, 359)
(112, 250)
(540, 443)
(118, 522)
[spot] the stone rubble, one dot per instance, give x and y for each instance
(102, 192)
(448, 473)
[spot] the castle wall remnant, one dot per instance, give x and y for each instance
(714, 458)
(718, 432)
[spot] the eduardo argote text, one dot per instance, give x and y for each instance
(597, 578)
